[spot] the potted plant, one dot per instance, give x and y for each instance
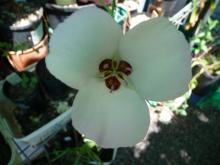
(205, 63)
(58, 10)
(23, 38)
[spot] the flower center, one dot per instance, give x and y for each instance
(114, 72)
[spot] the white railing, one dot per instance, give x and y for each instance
(180, 17)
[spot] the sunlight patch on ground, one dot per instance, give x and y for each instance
(185, 155)
(160, 113)
(166, 116)
(202, 117)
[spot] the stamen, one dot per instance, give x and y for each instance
(112, 83)
(105, 65)
(124, 67)
(114, 73)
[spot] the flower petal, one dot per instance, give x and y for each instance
(80, 43)
(160, 57)
(112, 119)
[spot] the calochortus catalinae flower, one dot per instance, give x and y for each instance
(115, 73)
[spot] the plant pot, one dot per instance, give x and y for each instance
(70, 137)
(23, 150)
(23, 38)
(66, 138)
(5, 68)
(58, 13)
(26, 148)
(23, 59)
(34, 143)
(18, 153)
(21, 27)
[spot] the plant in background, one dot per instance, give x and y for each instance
(85, 154)
(205, 49)
(25, 87)
(203, 41)
(6, 47)
(212, 101)
(28, 81)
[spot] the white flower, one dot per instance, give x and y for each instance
(88, 43)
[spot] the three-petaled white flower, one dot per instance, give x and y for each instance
(154, 57)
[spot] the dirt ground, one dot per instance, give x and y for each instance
(193, 140)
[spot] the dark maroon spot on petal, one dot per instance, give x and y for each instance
(124, 67)
(105, 65)
(112, 83)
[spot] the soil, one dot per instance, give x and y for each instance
(190, 140)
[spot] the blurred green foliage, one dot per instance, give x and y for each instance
(204, 37)
(206, 53)
(5, 47)
(205, 49)
(82, 155)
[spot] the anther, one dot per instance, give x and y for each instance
(105, 65)
(124, 67)
(112, 83)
